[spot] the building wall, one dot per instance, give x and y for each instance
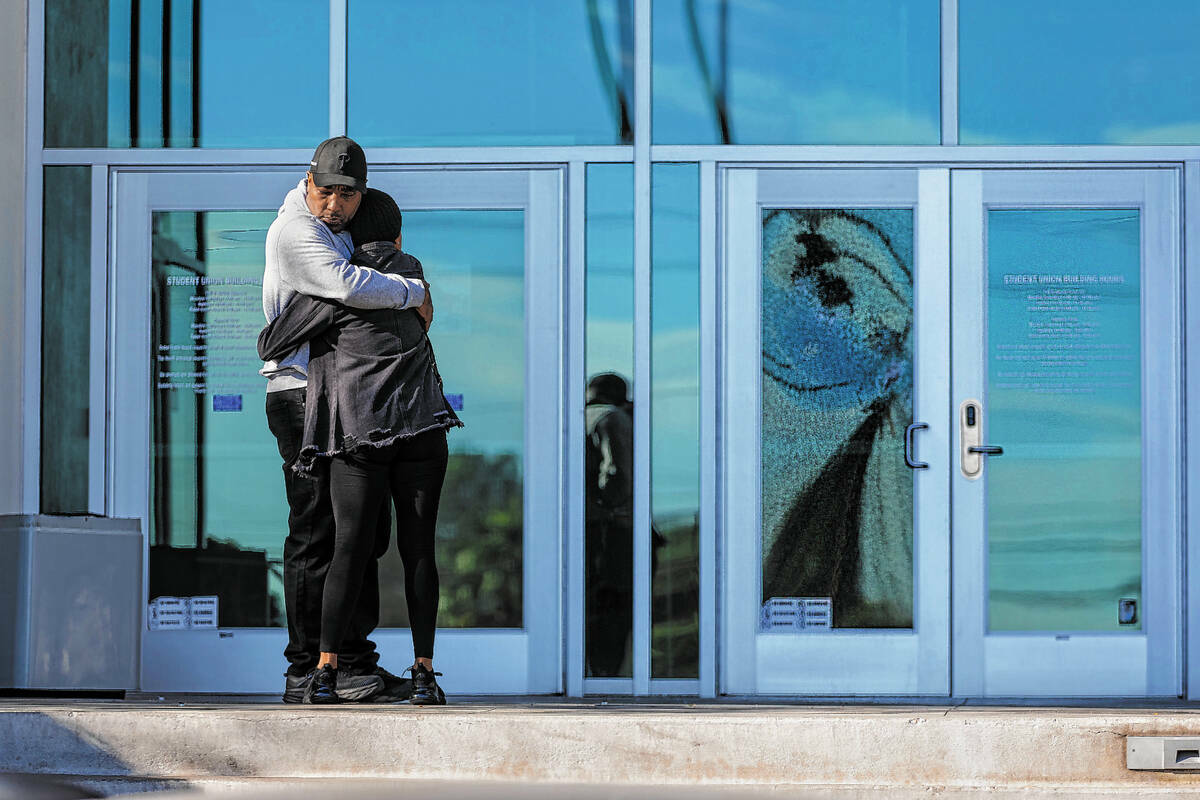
(152, 93)
(13, 50)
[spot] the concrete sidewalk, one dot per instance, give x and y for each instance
(165, 741)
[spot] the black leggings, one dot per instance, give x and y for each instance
(412, 470)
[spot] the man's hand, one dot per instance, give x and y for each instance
(426, 308)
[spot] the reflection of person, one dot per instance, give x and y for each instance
(609, 524)
(308, 253)
(376, 415)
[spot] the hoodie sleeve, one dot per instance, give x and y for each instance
(302, 319)
(311, 264)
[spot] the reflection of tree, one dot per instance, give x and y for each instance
(620, 87)
(715, 86)
(479, 548)
(166, 254)
(675, 644)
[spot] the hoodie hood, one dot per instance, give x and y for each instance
(374, 254)
(384, 257)
(293, 201)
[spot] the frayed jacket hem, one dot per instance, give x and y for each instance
(378, 439)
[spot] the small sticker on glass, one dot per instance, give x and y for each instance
(227, 402)
(792, 614)
(1127, 611)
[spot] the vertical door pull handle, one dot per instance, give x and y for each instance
(908, 445)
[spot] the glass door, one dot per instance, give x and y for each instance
(1066, 391)
(194, 460)
(834, 432)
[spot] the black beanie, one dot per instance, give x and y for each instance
(378, 219)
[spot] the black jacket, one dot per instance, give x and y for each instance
(372, 377)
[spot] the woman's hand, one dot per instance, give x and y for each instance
(426, 308)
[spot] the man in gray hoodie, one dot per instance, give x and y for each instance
(308, 252)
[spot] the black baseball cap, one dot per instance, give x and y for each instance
(339, 162)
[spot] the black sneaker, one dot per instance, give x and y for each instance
(294, 686)
(322, 687)
(395, 689)
(425, 691)
(350, 688)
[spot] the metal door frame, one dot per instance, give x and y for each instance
(191, 660)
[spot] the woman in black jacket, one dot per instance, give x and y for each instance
(375, 410)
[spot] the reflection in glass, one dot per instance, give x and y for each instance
(218, 513)
(186, 74)
(475, 264)
(608, 449)
(675, 420)
(476, 72)
(1064, 401)
(66, 338)
(76, 76)
(837, 394)
(1084, 73)
(796, 72)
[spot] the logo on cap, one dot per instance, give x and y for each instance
(342, 158)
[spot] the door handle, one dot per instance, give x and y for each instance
(908, 445)
(970, 437)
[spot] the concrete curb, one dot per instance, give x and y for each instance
(764, 746)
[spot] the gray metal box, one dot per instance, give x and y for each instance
(1162, 752)
(70, 602)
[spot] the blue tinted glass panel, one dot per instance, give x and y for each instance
(796, 72)
(218, 514)
(187, 74)
(837, 394)
(608, 447)
(475, 264)
(675, 420)
(1079, 72)
(478, 72)
(1064, 502)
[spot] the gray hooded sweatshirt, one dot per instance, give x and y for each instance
(304, 257)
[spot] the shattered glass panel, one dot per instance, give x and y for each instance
(837, 394)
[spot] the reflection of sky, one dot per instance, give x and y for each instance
(610, 270)
(475, 263)
(1079, 71)
(802, 71)
(675, 342)
(481, 72)
(1064, 502)
(799, 71)
(264, 73)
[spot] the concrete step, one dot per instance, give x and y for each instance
(805, 747)
(374, 789)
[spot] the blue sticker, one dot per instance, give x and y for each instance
(227, 402)
(455, 401)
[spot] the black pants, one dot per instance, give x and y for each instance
(411, 472)
(308, 552)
